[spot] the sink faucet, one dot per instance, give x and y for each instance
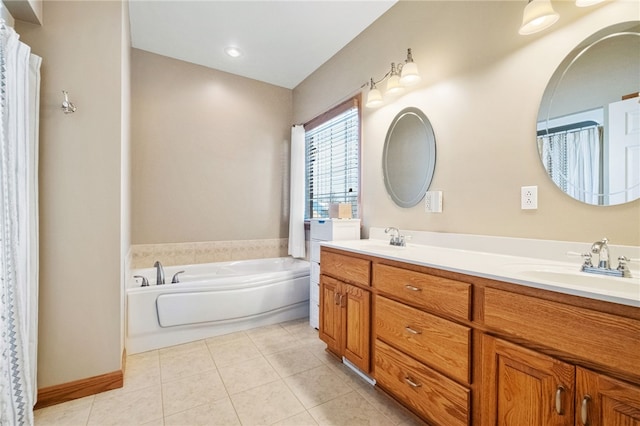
(397, 239)
(602, 250)
(159, 272)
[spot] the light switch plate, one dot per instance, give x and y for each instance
(433, 202)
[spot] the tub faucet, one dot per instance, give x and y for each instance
(602, 250)
(159, 272)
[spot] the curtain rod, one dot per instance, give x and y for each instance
(568, 127)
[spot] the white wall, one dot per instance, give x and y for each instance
(481, 89)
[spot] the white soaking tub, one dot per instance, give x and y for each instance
(213, 299)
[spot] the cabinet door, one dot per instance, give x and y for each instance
(603, 401)
(523, 387)
(357, 306)
(330, 314)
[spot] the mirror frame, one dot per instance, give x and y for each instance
(423, 179)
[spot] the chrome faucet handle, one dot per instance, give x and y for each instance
(175, 279)
(586, 257)
(622, 266)
(145, 281)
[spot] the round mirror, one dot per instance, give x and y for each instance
(588, 133)
(409, 157)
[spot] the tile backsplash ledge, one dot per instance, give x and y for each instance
(171, 254)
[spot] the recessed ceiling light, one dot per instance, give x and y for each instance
(234, 52)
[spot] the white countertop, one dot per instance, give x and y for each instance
(562, 277)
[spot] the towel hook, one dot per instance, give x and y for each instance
(67, 105)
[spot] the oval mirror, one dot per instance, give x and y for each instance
(409, 157)
(588, 133)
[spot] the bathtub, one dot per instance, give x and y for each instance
(213, 299)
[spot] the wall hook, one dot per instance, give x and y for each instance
(67, 105)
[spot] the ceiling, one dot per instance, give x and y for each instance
(282, 42)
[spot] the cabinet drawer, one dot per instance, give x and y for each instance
(314, 272)
(592, 336)
(314, 314)
(331, 229)
(314, 251)
(434, 397)
(439, 343)
(436, 294)
(346, 268)
(314, 291)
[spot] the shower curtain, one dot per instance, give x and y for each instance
(296, 198)
(19, 103)
(572, 159)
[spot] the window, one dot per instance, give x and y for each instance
(333, 160)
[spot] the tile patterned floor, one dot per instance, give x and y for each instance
(275, 375)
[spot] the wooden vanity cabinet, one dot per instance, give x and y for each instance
(421, 356)
(523, 386)
(602, 401)
(464, 350)
(345, 308)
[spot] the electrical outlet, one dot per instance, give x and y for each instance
(529, 197)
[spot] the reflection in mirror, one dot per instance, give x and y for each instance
(409, 157)
(589, 119)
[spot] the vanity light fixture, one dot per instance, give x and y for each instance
(538, 15)
(400, 76)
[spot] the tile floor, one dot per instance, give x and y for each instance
(274, 375)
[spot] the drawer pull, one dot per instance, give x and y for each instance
(412, 288)
(559, 393)
(584, 410)
(411, 383)
(336, 298)
(412, 331)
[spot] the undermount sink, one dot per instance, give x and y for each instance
(571, 275)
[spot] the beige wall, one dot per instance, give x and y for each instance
(125, 160)
(210, 154)
(80, 192)
(481, 89)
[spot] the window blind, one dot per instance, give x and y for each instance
(332, 164)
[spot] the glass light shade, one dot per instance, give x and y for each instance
(538, 15)
(410, 74)
(393, 85)
(374, 98)
(586, 3)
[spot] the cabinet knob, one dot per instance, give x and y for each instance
(584, 410)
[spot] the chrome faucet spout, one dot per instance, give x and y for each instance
(602, 250)
(397, 239)
(159, 272)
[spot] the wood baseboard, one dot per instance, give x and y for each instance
(64, 392)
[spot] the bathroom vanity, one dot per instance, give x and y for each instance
(459, 346)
